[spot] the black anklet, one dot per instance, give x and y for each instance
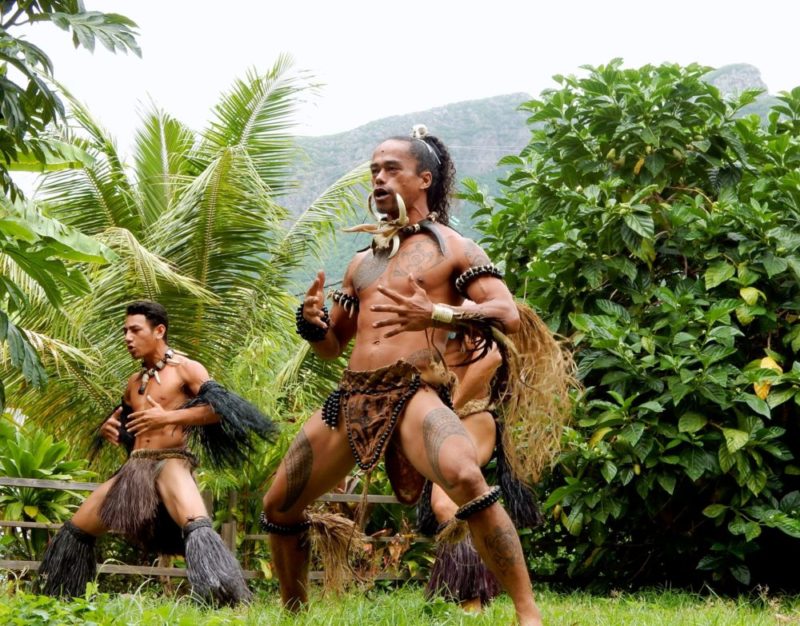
(279, 529)
(308, 331)
(479, 503)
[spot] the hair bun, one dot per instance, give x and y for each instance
(419, 131)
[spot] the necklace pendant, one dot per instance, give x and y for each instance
(157, 377)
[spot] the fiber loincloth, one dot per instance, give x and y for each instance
(134, 508)
(372, 403)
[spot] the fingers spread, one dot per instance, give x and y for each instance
(389, 293)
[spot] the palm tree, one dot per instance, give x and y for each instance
(196, 223)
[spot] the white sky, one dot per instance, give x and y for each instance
(385, 58)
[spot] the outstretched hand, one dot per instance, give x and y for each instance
(149, 419)
(410, 312)
(110, 428)
(314, 301)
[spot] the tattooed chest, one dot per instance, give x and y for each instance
(416, 256)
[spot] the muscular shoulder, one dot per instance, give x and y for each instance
(467, 253)
(192, 373)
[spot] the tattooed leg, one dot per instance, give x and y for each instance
(438, 426)
(316, 461)
(299, 460)
(447, 455)
(497, 542)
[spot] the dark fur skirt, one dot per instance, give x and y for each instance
(134, 508)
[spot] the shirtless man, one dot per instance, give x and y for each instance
(399, 300)
(153, 499)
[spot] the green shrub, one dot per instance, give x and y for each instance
(657, 227)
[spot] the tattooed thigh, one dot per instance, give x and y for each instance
(298, 463)
(438, 425)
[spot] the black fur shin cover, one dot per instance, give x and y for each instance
(214, 573)
(459, 574)
(68, 564)
(227, 443)
(520, 501)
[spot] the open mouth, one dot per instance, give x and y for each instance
(380, 194)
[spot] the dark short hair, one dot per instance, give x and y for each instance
(153, 312)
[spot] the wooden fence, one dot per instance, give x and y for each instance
(228, 531)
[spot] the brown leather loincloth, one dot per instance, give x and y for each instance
(372, 403)
(133, 505)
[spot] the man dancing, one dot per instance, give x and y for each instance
(153, 499)
(399, 300)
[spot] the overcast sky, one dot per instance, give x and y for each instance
(384, 58)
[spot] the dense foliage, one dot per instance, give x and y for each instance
(657, 226)
(35, 250)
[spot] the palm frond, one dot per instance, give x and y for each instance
(162, 148)
(256, 116)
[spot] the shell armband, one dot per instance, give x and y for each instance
(476, 272)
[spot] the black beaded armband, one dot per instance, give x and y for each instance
(307, 330)
(281, 529)
(476, 272)
(479, 503)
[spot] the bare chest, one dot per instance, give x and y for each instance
(167, 389)
(418, 256)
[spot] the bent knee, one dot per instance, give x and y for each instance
(466, 480)
(274, 505)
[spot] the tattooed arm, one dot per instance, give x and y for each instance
(488, 295)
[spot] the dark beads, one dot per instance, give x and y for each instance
(479, 504)
(281, 529)
(308, 331)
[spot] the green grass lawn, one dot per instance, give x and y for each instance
(403, 607)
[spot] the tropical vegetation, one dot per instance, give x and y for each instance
(655, 225)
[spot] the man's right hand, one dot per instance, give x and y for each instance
(110, 428)
(314, 301)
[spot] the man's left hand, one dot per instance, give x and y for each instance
(411, 312)
(149, 419)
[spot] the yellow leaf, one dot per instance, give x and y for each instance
(31, 510)
(598, 436)
(750, 295)
(762, 389)
(638, 167)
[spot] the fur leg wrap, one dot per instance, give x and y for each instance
(214, 573)
(459, 574)
(69, 563)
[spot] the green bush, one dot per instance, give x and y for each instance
(36, 455)
(657, 227)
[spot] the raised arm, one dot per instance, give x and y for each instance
(329, 334)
